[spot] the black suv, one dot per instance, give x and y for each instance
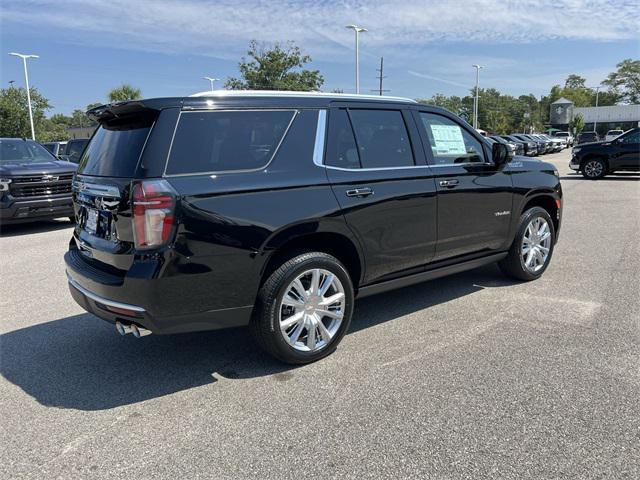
(595, 160)
(278, 210)
(34, 185)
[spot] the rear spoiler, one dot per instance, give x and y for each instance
(130, 108)
(104, 113)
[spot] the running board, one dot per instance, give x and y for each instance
(428, 275)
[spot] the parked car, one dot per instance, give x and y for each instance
(565, 135)
(34, 185)
(611, 134)
(549, 146)
(56, 148)
(586, 137)
(557, 144)
(74, 149)
(538, 145)
(277, 210)
(529, 147)
(595, 160)
(514, 148)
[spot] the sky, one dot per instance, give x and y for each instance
(165, 47)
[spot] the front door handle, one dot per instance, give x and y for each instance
(360, 192)
(448, 183)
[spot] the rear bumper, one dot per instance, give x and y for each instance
(132, 301)
(14, 210)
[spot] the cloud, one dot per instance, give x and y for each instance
(223, 28)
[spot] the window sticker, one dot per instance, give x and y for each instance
(448, 140)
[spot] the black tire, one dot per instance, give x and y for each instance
(594, 168)
(265, 326)
(513, 265)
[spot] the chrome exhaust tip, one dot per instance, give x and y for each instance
(139, 332)
(123, 329)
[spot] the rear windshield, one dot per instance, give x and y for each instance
(23, 151)
(225, 141)
(115, 149)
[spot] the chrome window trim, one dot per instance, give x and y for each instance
(243, 170)
(319, 144)
(321, 141)
(102, 300)
(408, 167)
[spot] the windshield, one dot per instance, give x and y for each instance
(23, 151)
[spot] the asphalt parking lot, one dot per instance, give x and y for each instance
(470, 376)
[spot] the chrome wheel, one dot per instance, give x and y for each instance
(312, 310)
(593, 169)
(536, 244)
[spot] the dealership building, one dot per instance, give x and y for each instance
(621, 117)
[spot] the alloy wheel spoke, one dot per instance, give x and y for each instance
(326, 283)
(327, 302)
(325, 334)
(332, 314)
(311, 337)
(297, 285)
(315, 281)
(293, 338)
(292, 320)
(291, 301)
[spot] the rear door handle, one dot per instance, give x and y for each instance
(448, 183)
(360, 192)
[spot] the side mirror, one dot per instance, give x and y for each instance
(500, 154)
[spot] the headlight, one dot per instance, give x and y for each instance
(4, 184)
(575, 150)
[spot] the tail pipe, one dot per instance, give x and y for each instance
(125, 329)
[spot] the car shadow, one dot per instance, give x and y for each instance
(79, 362)
(620, 176)
(17, 229)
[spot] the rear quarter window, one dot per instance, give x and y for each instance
(219, 141)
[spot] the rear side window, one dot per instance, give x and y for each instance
(382, 138)
(115, 148)
(226, 141)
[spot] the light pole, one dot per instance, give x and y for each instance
(475, 100)
(211, 79)
(358, 30)
(595, 121)
(26, 81)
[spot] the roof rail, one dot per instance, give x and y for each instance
(294, 94)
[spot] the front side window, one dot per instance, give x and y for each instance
(227, 140)
(450, 143)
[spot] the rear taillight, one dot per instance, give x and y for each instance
(154, 204)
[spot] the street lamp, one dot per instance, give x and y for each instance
(475, 100)
(358, 30)
(211, 79)
(595, 120)
(26, 81)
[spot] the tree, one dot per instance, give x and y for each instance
(575, 81)
(14, 112)
(625, 81)
(279, 67)
(576, 124)
(123, 93)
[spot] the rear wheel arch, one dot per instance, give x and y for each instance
(336, 244)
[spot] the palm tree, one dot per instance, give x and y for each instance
(123, 93)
